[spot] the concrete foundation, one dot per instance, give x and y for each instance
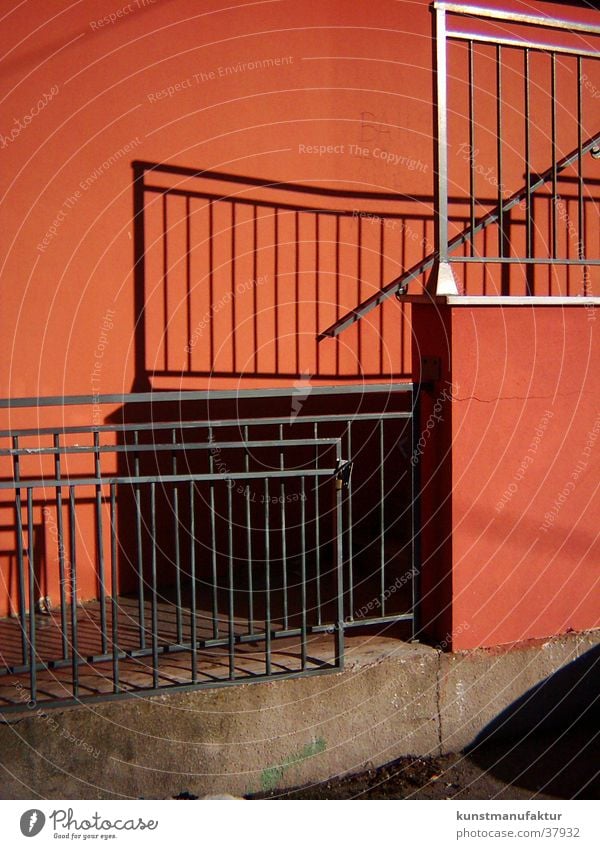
(392, 699)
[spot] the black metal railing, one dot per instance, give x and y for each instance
(190, 552)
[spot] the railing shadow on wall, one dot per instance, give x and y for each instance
(236, 276)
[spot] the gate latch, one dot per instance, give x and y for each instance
(343, 472)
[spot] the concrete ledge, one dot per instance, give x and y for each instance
(392, 699)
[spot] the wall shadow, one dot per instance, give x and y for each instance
(549, 739)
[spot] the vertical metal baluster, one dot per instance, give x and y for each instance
(165, 281)
(499, 148)
(382, 256)
(267, 582)
(114, 588)
(100, 542)
(276, 309)
(416, 515)
(31, 570)
(350, 532)
(211, 277)
(471, 147)
(138, 543)
(188, 280)
(73, 557)
(230, 587)
(234, 346)
(20, 558)
(317, 297)
(317, 530)
(213, 534)
(442, 137)
(193, 634)
(283, 535)
(154, 588)
(382, 517)
(61, 550)
(303, 573)
(554, 168)
(581, 248)
(339, 561)
(249, 542)
(528, 239)
(255, 313)
(176, 540)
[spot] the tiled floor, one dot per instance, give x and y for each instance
(96, 666)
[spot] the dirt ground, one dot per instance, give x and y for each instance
(542, 767)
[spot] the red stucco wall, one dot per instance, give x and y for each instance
(511, 498)
(339, 97)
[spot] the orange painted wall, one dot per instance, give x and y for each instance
(511, 545)
(174, 81)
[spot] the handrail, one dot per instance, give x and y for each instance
(160, 396)
(426, 264)
(515, 17)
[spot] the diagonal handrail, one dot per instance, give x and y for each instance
(428, 262)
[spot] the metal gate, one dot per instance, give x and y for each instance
(202, 552)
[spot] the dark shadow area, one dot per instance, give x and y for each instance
(549, 739)
(232, 514)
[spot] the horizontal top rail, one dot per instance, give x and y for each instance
(217, 423)
(63, 483)
(516, 17)
(192, 395)
(523, 44)
(134, 448)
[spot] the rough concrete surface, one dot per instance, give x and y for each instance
(392, 699)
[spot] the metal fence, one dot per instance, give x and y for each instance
(202, 552)
(517, 111)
